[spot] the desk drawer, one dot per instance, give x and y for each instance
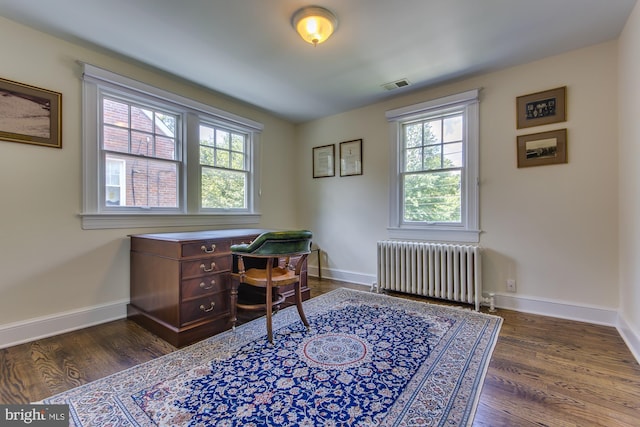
(205, 266)
(205, 247)
(194, 288)
(208, 307)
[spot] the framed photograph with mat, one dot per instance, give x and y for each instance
(30, 115)
(541, 108)
(544, 148)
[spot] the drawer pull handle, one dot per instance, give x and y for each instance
(204, 285)
(205, 309)
(208, 251)
(204, 267)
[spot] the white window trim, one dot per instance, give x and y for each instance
(94, 80)
(469, 230)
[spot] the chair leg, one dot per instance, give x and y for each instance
(269, 303)
(233, 296)
(298, 288)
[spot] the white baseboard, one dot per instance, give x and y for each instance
(630, 337)
(59, 323)
(560, 309)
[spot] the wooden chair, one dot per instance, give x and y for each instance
(275, 259)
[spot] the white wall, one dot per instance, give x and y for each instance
(552, 228)
(49, 266)
(629, 191)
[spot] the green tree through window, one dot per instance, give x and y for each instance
(223, 160)
(432, 170)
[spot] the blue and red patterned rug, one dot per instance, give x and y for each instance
(368, 360)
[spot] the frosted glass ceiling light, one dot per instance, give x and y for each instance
(314, 24)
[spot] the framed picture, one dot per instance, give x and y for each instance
(544, 148)
(30, 114)
(351, 158)
(323, 161)
(541, 108)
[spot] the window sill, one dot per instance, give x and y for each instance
(435, 234)
(92, 221)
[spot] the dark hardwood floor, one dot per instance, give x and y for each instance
(544, 371)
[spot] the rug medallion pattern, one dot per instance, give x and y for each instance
(368, 360)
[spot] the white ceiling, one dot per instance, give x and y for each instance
(248, 50)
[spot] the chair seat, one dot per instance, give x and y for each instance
(279, 277)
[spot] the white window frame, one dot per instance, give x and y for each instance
(138, 101)
(94, 215)
(249, 155)
(468, 230)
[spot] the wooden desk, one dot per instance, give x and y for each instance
(180, 282)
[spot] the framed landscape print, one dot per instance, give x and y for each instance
(541, 108)
(30, 115)
(544, 148)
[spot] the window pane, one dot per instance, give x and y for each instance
(223, 189)
(165, 148)
(237, 142)
(433, 197)
(222, 158)
(148, 183)
(222, 139)
(206, 136)
(115, 113)
(237, 161)
(452, 155)
(166, 124)
(115, 139)
(433, 132)
(433, 157)
(453, 129)
(141, 119)
(413, 135)
(207, 155)
(141, 144)
(413, 160)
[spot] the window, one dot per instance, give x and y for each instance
(154, 158)
(434, 182)
(223, 165)
(142, 141)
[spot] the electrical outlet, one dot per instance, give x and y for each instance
(511, 285)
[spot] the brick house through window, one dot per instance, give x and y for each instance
(141, 156)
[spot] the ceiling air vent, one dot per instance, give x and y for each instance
(397, 84)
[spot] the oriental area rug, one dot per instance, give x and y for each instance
(367, 360)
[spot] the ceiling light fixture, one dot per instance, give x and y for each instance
(315, 24)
